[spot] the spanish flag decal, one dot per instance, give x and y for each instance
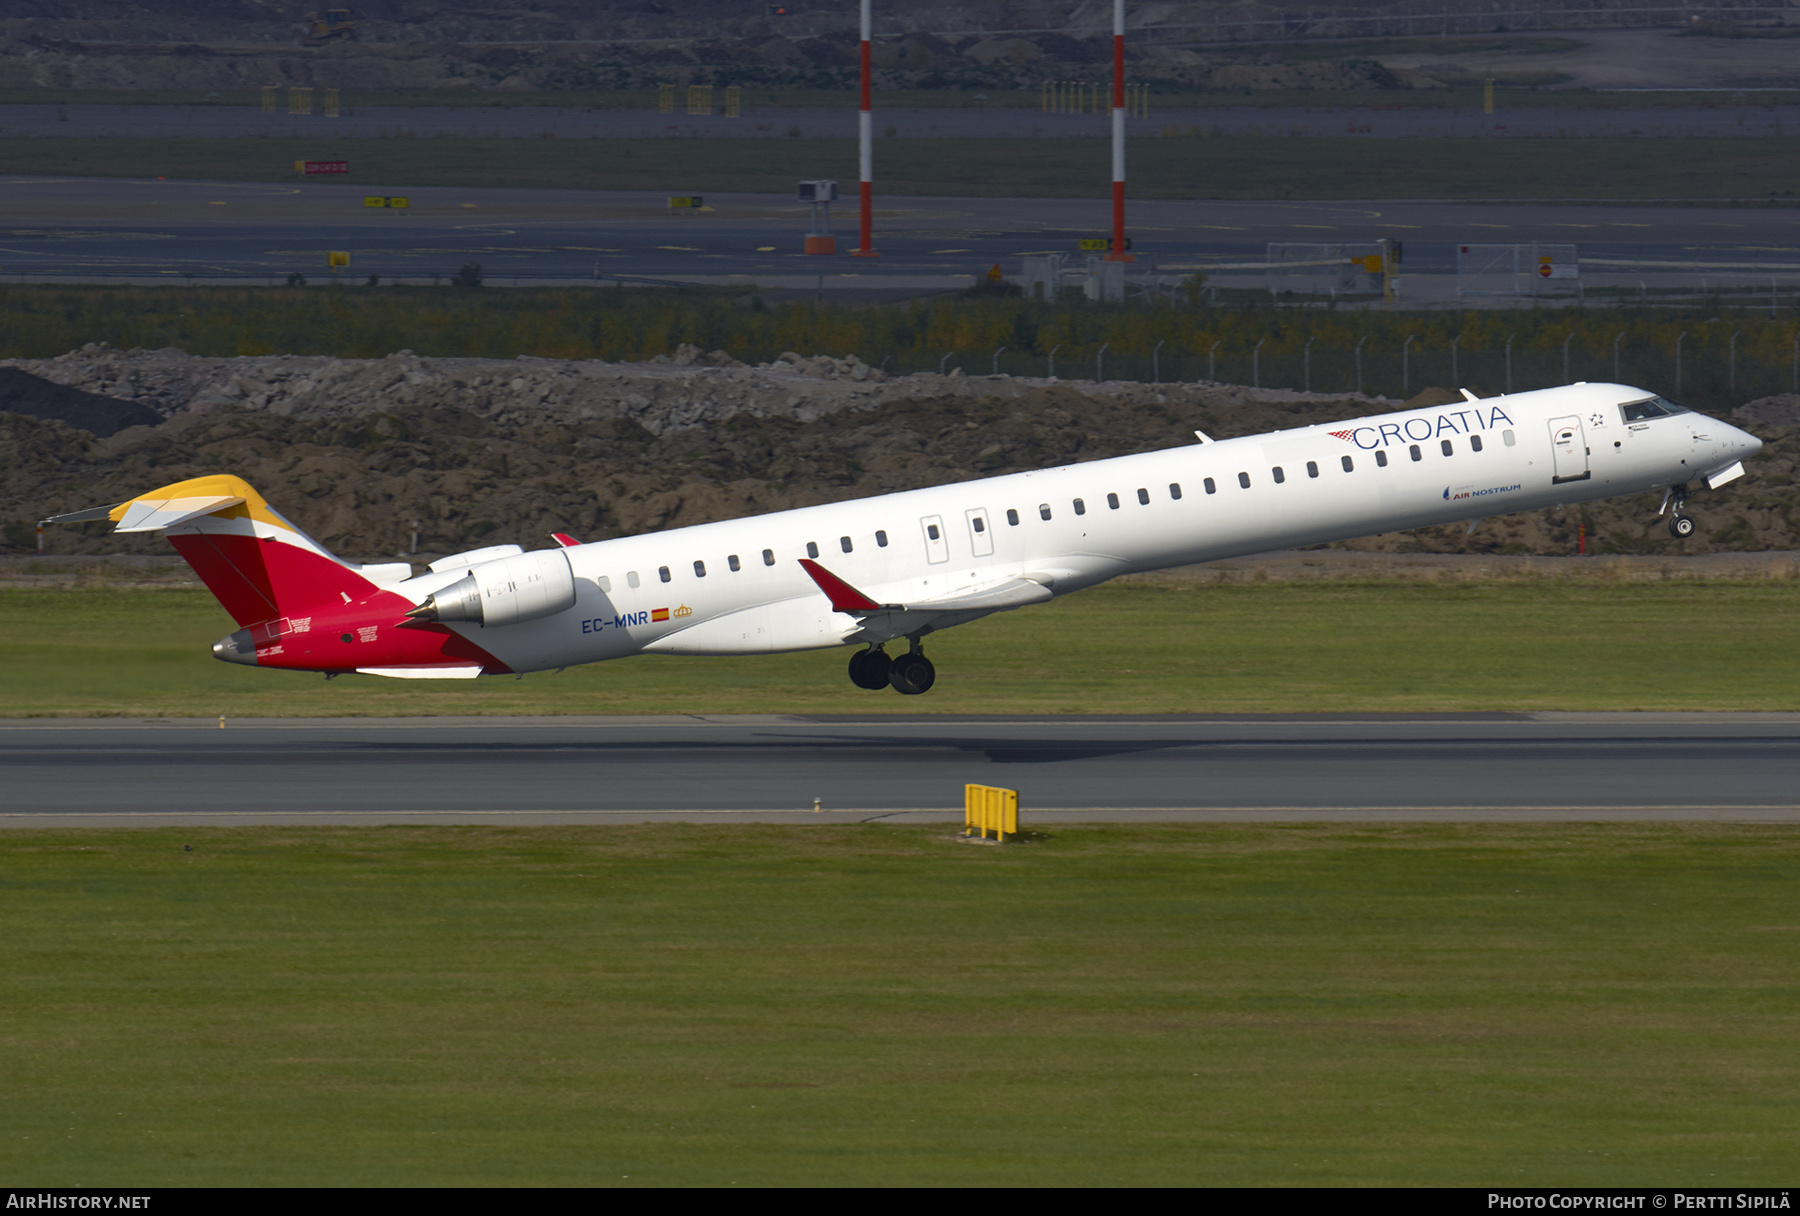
(659, 614)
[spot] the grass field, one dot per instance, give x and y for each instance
(1242, 647)
(1270, 165)
(1567, 1005)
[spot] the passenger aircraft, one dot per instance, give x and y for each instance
(877, 571)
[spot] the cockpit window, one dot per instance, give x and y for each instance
(1652, 407)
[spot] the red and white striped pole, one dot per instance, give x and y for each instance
(1118, 253)
(866, 150)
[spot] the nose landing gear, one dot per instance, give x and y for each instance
(1680, 525)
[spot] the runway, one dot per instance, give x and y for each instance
(1470, 767)
(104, 230)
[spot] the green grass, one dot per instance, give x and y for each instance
(1243, 647)
(1265, 165)
(1447, 1005)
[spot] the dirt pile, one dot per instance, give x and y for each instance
(364, 453)
(23, 393)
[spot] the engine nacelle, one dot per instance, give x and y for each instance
(505, 592)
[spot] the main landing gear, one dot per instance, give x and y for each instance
(910, 674)
(1681, 526)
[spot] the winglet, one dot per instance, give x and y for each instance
(1467, 395)
(564, 539)
(844, 597)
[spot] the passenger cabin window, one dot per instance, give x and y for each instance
(1506, 437)
(880, 539)
(631, 577)
(1475, 442)
(605, 583)
(844, 544)
(1144, 497)
(1012, 517)
(1112, 500)
(768, 557)
(1175, 490)
(1312, 468)
(1445, 444)
(1381, 460)
(699, 569)
(1043, 510)
(1212, 487)
(662, 572)
(1080, 507)
(1244, 480)
(1414, 449)
(1278, 475)
(733, 562)
(1349, 464)
(812, 549)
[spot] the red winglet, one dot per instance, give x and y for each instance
(844, 597)
(564, 539)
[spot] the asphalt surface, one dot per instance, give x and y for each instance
(1720, 118)
(96, 229)
(1500, 767)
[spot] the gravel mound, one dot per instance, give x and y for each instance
(23, 393)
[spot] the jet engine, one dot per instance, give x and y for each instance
(505, 592)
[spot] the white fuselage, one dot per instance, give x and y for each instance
(737, 587)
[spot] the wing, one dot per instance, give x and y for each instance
(883, 621)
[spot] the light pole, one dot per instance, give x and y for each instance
(1509, 340)
(997, 351)
(1256, 364)
(1306, 361)
(1406, 365)
(1100, 363)
(865, 139)
(1455, 378)
(1053, 351)
(1679, 339)
(1118, 253)
(1212, 361)
(1156, 361)
(1359, 346)
(1566, 342)
(1616, 342)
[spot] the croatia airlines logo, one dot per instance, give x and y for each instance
(1421, 427)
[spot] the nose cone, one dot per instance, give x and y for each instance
(1747, 444)
(236, 648)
